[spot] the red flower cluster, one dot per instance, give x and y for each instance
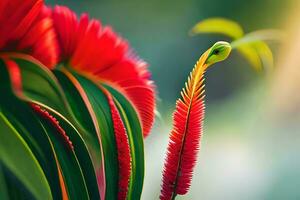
(56, 36)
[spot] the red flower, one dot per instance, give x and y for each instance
(97, 51)
(27, 27)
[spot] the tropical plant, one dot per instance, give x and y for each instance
(76, 105)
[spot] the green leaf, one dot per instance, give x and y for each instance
(265, 55)
(222, 26)
(70, 167)
(82, 155)
(135, 136)
(18, 158)
(40, 85)
(251, 55)
(30, 129)
(255, 50)
(3, 186)
(85, 118)
(101, 108)
(38, 136)
(259, 55)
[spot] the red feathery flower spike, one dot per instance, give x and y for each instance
(187, 126)
(185, 136)
(26, 26)
(45, 114)
(124, 156)
(97, 51)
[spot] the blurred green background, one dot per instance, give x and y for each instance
(250, 148)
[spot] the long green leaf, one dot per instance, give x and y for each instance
(34, 135)
(82, 155)
(101, 108)
(86, 121)
(29, 128)
(18, 158)
(71, 169)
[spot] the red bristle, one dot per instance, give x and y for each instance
(124, 157)
(46, 115)
(185, 137)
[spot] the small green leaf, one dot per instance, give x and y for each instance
(18, 158)
(222, 26)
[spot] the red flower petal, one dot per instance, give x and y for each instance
(16, 17)
(40, 40)
(27, 27)
(98, 51)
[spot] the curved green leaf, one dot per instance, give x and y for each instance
(29, 128)
(18, 158)
(101, 108)
(24, 121)
(39, 84)
(86, 121)
(259, 55)
(39, 142)
(82, 155)
(265, 54)
(251, 55)
(222, 26)
(70, 167)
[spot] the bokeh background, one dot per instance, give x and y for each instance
(251, 142)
